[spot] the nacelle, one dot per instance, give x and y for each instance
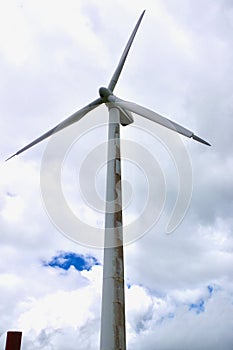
(126, 117)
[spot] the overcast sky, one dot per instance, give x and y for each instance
(54, 56)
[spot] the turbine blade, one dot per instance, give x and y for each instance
(196, 138)
(70, 120)
(121, 63)
(155, 117)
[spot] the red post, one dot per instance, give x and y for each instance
(13, 340)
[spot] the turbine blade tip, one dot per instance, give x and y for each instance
(142, 14)
(196, 138)
(10, 157)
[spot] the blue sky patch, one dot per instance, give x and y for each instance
(198, 307)
(64, 260)
(168, 316)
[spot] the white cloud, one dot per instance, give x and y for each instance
(52, 55)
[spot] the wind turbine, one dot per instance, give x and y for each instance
(120, 112)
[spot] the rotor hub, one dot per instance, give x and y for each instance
(105, 93)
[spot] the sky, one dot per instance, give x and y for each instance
(54, 56)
